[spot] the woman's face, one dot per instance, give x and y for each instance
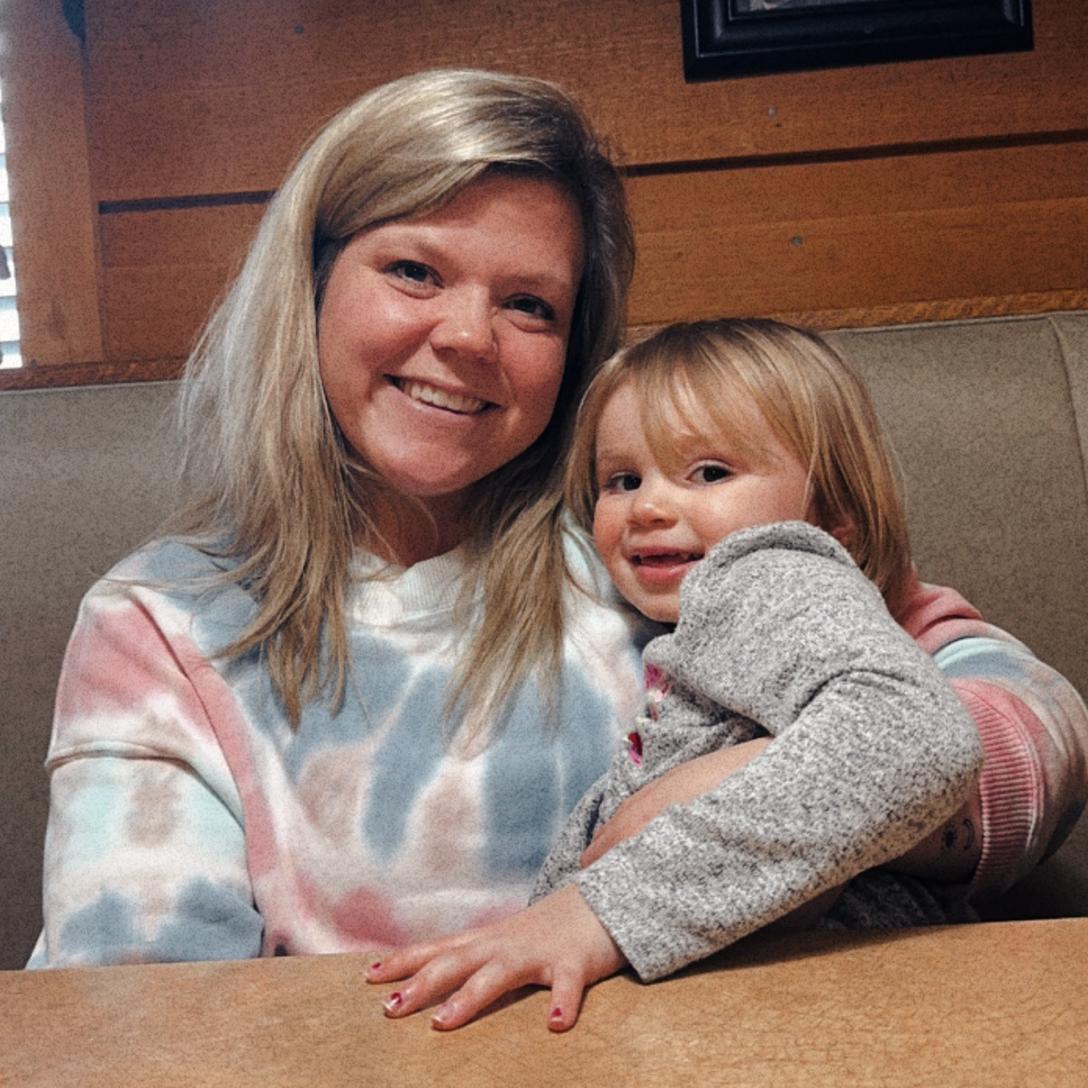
(442, 337)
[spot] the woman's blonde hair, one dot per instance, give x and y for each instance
(276, 486)
(813, 402)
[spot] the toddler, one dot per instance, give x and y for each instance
(738, 487)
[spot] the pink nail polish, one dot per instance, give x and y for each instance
(393, 1002)
(557, 1013)
(375, 965)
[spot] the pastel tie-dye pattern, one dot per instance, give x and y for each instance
(189, 821)
(1034, 729)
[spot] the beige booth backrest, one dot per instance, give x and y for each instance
(990, 419)
(990, 422)
(85, 474)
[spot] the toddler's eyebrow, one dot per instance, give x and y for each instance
(610, 455)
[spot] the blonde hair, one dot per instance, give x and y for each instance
(276, 486)
(813, 402)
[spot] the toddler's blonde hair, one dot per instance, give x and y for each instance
(812, 401)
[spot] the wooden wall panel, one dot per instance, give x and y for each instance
(162, 272)
(834, 244)
(839, 239)
(53, 216)
(189, 97)
(849, 196)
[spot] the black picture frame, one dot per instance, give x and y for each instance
(726, 38)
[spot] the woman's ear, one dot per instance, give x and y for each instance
(844, 534)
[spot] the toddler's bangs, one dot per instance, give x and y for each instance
(699, 397)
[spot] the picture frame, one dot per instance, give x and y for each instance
(728, 38)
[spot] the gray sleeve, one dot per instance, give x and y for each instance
(872, 750)
(563, 860)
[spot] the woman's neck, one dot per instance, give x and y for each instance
(408, 531)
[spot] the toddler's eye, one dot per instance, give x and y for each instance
(711, 474)
(534, 307)
(623, 481)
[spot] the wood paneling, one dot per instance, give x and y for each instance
(879, 194)
(53, 217)
(841, 243)
(861, 235)
(60, 375)
(162, 272)
(191, 97)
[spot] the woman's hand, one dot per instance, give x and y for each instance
(679, 786)
(557, 942)
(951, 853)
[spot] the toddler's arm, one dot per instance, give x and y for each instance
(872, 750)
(1034, 730)
(949, 854)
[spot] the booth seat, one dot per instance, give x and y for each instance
(989, 419)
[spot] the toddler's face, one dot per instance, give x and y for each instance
(654, 522)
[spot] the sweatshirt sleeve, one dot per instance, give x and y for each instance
(1034, 730)
(872, 750)
(145, 853)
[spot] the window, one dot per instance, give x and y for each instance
(9, 316)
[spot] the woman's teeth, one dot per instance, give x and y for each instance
(452, 402)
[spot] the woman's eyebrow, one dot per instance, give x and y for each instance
(415, 237)
(403, 235)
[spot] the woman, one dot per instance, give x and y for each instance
(350, 699)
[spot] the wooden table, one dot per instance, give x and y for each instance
(986, 1006)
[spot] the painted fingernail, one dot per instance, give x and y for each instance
(394, 1001)
(557, 1013)
(376, 965)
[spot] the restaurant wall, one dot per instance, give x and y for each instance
(141, 157)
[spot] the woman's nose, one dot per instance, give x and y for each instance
(466, 325)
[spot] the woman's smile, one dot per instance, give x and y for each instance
(424, 393)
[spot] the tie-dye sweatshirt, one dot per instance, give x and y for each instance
(189, 821)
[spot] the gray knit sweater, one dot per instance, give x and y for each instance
(780, 633)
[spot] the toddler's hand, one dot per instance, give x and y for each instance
(557, 942)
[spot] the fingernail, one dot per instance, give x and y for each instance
(393, 1001)
(374, 966)
(441, 1015)
(557, 1013)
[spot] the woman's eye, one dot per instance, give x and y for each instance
(711, 474)
(534, 307)
(412, 272)
(623, 481)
